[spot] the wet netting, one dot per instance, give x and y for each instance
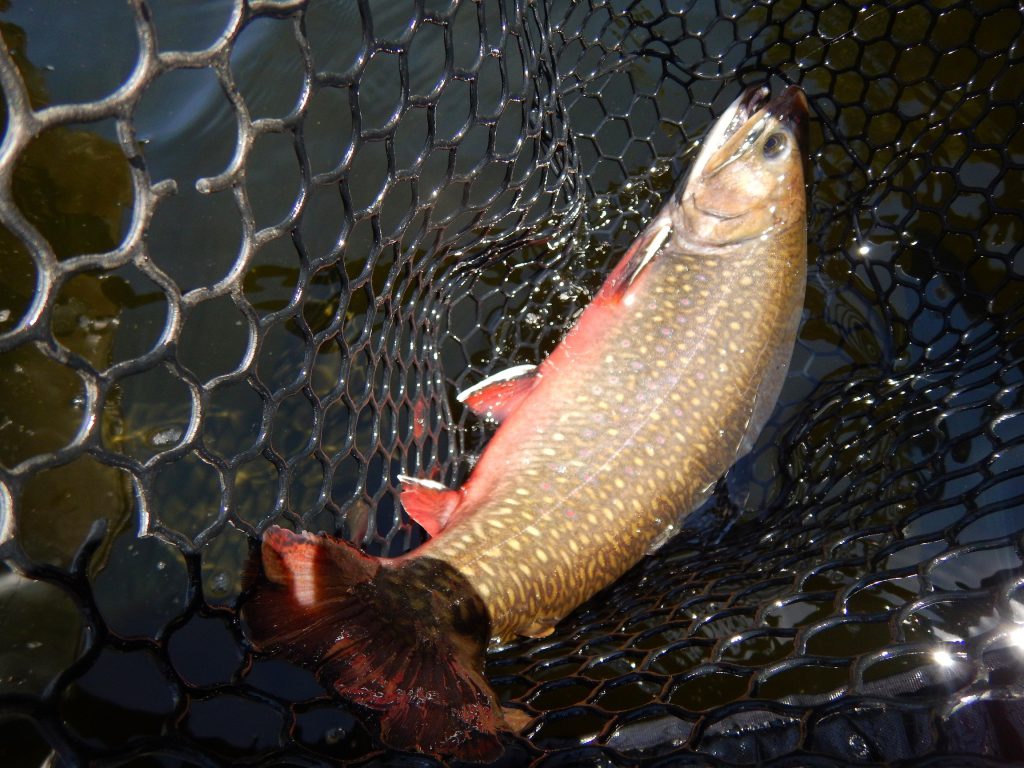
(250, 251)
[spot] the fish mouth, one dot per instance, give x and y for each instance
(750, 101)
(753, 106)
(753, 99)
(789, 108)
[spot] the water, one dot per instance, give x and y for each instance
(320, 340)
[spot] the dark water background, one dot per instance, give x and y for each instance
(905, 387)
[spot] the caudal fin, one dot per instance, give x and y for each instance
(405, 640)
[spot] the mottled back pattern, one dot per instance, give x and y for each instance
(624, 436)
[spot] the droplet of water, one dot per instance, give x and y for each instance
(220, 584)
(167, 436)
(858, 746)
(95, 324)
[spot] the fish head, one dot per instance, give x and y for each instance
(748, 180)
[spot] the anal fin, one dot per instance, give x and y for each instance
(539, 628)
(429, 503)
(498, 395)
(662, 538)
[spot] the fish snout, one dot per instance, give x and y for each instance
(751, 100)
(790, 108)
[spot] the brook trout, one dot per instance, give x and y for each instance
(667, 376)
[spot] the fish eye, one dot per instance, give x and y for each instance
(774, 145)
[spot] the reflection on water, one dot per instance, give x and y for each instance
(73, 186)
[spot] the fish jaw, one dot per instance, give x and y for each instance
(748, 181)
(736, 115)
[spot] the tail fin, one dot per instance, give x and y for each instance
(404, 640)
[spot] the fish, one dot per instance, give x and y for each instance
(667, 377)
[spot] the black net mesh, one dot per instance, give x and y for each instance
(250, 250)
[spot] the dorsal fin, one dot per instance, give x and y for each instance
(501, 393)
(429, 503)
(639, 255)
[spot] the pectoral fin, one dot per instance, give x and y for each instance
(498, 395)
(639, 255)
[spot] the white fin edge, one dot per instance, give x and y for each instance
(663, 538)
(423, 483)
(6, 514)
(660, 236)
(515, 372)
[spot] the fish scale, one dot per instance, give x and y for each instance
(667, 376)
